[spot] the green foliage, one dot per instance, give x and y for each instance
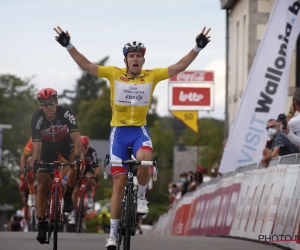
(17, 102)
(211, 135)
(163, 143)
(9, 189)
(92, 224)
(95, 115)
(87, 88)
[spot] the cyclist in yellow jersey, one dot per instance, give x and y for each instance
(131, 95)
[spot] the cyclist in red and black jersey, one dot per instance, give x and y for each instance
(53, 129)
(91, 169)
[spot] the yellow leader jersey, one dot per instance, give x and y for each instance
(131, 98)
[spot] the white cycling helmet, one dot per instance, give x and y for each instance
(134, 46)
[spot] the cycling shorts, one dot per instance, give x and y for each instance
(137, 137)
(64, 147)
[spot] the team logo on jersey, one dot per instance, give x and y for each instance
(124, 79)
(39, 123)
(70, 117)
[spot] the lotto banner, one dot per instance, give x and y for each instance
(266, 91)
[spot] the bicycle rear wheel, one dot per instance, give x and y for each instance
(56, 218)
(128, 219)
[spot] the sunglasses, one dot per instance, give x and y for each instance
(48, 103)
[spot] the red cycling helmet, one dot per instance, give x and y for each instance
(47, 93)
(85, 141)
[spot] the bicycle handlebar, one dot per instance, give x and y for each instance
(143, 163)
(56, 163)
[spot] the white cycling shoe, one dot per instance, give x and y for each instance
(72, 218)
(142, 207)
(112, 241)
(31, 200)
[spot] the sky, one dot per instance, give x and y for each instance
(100, 28)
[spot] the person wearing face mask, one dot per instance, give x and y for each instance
(280, 144)
(184, 183)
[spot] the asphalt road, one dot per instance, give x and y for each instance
(74, 241)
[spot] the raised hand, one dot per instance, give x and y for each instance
(63, 38)
(202, 39)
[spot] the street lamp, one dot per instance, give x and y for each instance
(3, 126)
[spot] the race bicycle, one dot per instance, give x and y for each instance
(128, 223)
(82, 202)
(55, 215)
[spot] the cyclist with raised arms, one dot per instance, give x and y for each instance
(54, 130)
(131, 94)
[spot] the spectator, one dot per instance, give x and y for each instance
(191, 181)
(204, 173)
(181, 145)
(198, 178)
(174, 194)
(17, 222)
(293, 117)
(215, 170)
(280, 144)
(104, 220)
(184, 183)
(293, 129)
(224, 144)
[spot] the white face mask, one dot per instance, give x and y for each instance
(272, 132)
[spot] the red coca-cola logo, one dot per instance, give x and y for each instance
(193, 76)
(191, 96)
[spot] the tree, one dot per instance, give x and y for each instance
(211, 132)
(95, 115)
(87, 88)
(18, 102)
(9, 189)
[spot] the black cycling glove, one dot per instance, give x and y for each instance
(201, 41)
(65, 41)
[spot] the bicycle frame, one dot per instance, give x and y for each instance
(57, 178)
(82, 201)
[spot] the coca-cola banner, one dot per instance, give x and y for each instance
(266, 91)
(193, 76)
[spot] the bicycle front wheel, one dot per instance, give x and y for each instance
(80, 213)
(56, 218)
(128, 219)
